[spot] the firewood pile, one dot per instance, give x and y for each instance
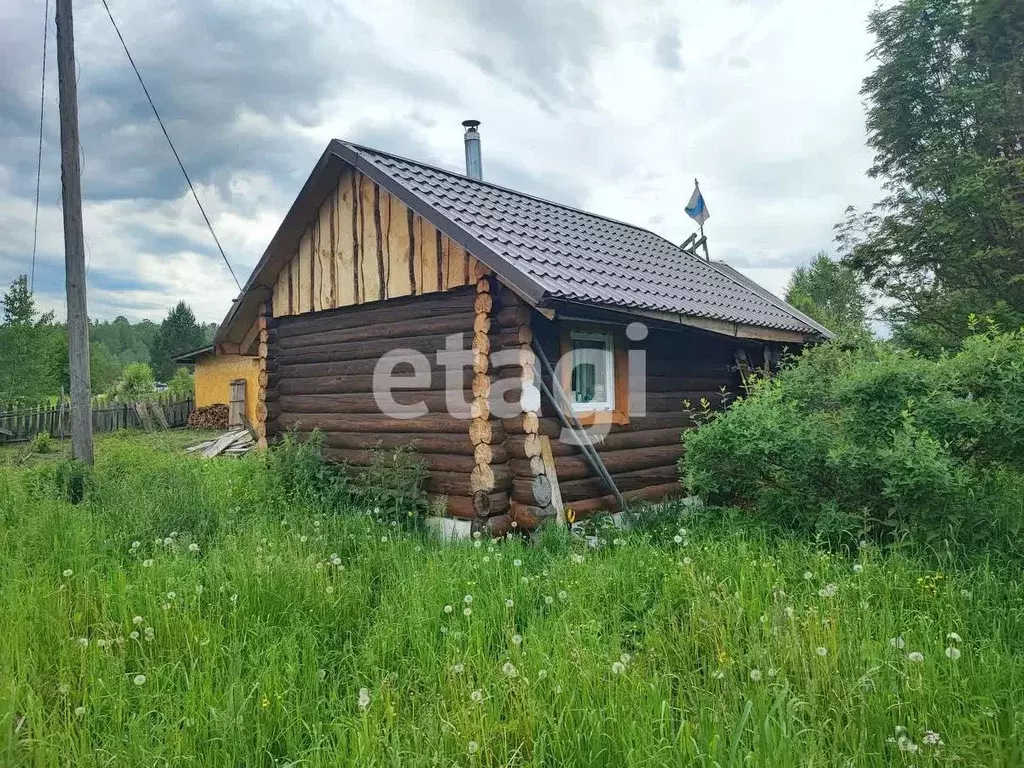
(209, 417)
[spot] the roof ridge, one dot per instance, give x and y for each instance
(512, 190)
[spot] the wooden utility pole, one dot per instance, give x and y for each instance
(74, 238)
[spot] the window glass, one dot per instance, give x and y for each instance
(592, 365)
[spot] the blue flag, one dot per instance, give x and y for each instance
(696, 209)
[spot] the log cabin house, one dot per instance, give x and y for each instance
(380, 253)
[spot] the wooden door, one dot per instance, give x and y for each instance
(236, 404)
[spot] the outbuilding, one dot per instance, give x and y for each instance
(540, 358)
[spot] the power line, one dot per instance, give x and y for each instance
(39, 160)
(171, 144)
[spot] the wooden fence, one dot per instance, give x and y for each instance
(24, 423)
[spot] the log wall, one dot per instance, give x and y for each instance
(365, 245)
(642, 455)
(320, 375)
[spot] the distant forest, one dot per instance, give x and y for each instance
(34, 348)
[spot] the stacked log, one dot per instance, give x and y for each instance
(530, 503)
(642, 455)
(209, 417)
(263, 323)
(320, 375)
(491, 476)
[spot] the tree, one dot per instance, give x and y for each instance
(946, 122)
(136, 383)
(181, 385)
(19, 304)
(831, 293)
(179, 333)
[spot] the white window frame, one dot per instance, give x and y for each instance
(609, 340)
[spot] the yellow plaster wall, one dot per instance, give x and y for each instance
(213, 377)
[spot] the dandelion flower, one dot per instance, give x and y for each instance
(84, 642)
(364, 698)
(905, 744)
(829, 590)
(897, 642)
(136, 544)
(953, 652)
(517, 563)
(467, 611)
(953, 637)
(136, 620)
(171, 595)
(509, 603)
(79, 711)
(168, 541)
(755, 675)
(134, 635)
(472, 747)
(509, 669)
(916, 656)
(541, 674)
(193, 547)
(139, 680)
(857, 567)
(563, 595)
(687, 561)
(517, 639)
(302, 539)
(677, 539)
(458, 669)
(468, 599)
(329, 590)
(477, 696)
(821, 651)
(717, 674)
(625, 658)
(101, 643)
(808, 575)
(618, 667)
(789, 612)
(68, 573)
(147, 563)
(548, 599)
(448, 609)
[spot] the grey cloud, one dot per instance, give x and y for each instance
(543, 48)
(667, 50)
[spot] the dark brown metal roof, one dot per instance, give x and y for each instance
(546, 251)
(578, 256)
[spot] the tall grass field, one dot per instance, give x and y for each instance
(185, 613)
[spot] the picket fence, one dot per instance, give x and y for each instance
(22, 423)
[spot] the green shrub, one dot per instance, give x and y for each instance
(136, 383)
(389, 488)
(42, 442)
(181, 385)
(869, 441)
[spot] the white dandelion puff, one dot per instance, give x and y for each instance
(618, 667)
(467, 611)
(548, 599)
(953, 637)
(472, 747)
(329, 590)
(718, 674)
(755, 675)
(916, 656)
(468, 599)
(509, 603)
(364, 698)
(677, 539)
(953, 653)
(136, 544)
(147, 563)
(477, 696)
(563, 595)
(139, 680)
(808, 575)
(448, 609)
(193, 547)
(458, 669)
(897, 642)
(517, 563)
(857, 567)
(84, 642)
(789, 612)
(821, 650)
(171, 595)
(136, 620)
(68, 573)
(509, 669)
(134, 635)
(517, 639)
(625, 658)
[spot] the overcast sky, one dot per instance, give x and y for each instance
(586, 103)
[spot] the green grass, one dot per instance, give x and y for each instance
(20, 453)
(255, 643)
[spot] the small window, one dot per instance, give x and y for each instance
(593, 371)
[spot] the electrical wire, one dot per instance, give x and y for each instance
(171, 144)
(39, 159)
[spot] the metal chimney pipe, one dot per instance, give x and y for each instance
(474, 166)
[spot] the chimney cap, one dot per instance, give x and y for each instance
(470, 125)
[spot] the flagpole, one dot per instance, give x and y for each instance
(706, 256)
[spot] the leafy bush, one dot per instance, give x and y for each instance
(181, 385)
(390, 487)
(869, 441)
(42, 442)
(136, 383)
